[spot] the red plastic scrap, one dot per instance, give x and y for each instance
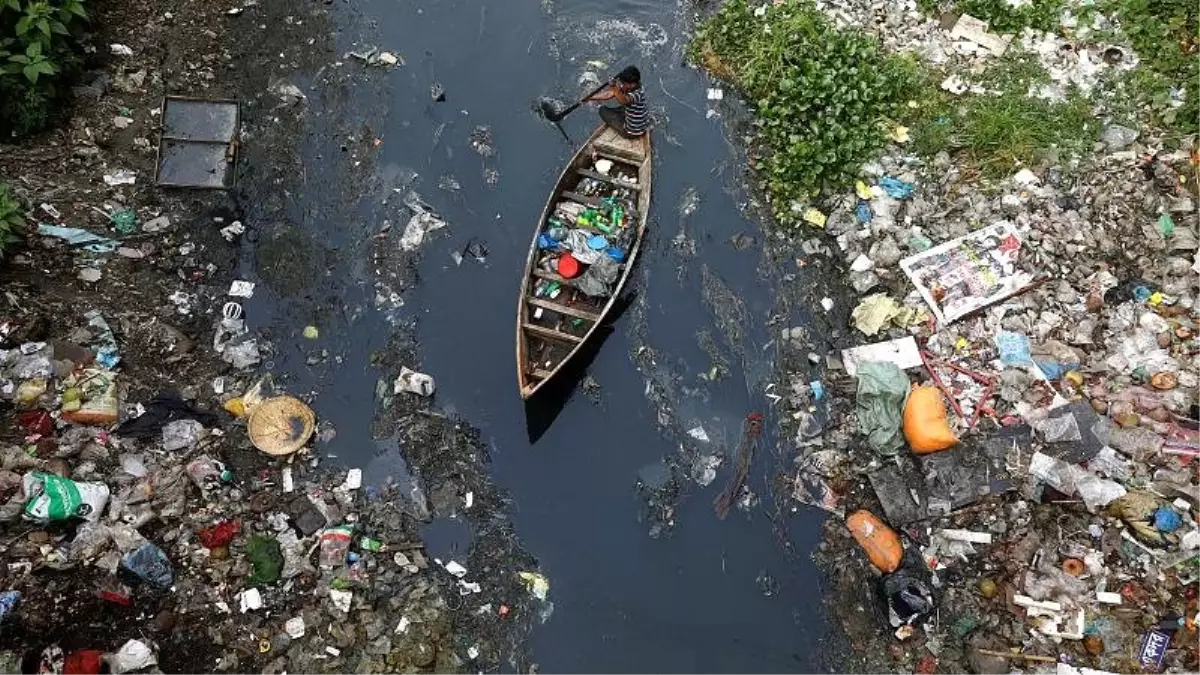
(927, 665)
(36, 423)
(119, 596)
(83, 662)
(220, 534)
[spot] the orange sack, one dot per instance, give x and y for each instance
(880, 542)
(925, 423)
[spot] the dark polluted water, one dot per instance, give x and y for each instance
(703, 595)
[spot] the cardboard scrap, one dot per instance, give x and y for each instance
(902, 351)
(975, 30)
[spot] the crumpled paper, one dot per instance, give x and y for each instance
(876, 311)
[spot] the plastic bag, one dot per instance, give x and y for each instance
(148, 563)
(536, 583)
(205, 472)
(1014, 349)
(54, 498)
(220, 534)
(875, 312)
(880, 404)
(908, 597)
(8, 602)
(335, 544)
(414, 382)
(266, 560)
(925, 423)
(1061, 429)
(181, 434)
(1096, 491)
(880, 542)
(84, 661)
(896, 188)
(133, 655)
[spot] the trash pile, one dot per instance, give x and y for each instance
(159, 514)
(590, 232)
(1015, 434)
(1009, 436)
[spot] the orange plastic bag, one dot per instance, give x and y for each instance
(880, 542)
(925, 423)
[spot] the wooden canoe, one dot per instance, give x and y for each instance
(555, 317)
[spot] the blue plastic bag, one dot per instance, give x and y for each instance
(863, 211)
(1167, 520)
(8, 602)
(148, 563)
(1014, 349)
(896, 188)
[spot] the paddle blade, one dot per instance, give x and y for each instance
(549, 108)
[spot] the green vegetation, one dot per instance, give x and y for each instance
(1166, 36)
(822, 95)
(1005, 128)
(38, 51)
(12, 222)
(1000, 15)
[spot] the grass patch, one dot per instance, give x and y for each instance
(1005, 128)
(821, 95)
(1166, 36)
(1002, 17)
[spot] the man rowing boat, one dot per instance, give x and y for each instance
(629, 118)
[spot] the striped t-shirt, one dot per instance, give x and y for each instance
(636, 119)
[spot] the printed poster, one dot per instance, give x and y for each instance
(969, 273)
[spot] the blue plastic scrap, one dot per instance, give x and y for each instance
(8, 602)
(896, 188)
(1014, 349)
(1167, 520)
(150, 564)
(818, 389)
(1054, 371)
(863, 211)
(79, 237)
(107, 353)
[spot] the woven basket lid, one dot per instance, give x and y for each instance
(281, 425)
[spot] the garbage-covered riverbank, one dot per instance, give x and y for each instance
(167, 500)
(1007, 427)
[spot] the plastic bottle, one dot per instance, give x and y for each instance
(880, 542)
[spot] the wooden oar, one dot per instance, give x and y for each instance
(557, 115)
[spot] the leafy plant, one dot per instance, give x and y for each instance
(822, 95)
(31, 64)
(38, 50)
(12, 222)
